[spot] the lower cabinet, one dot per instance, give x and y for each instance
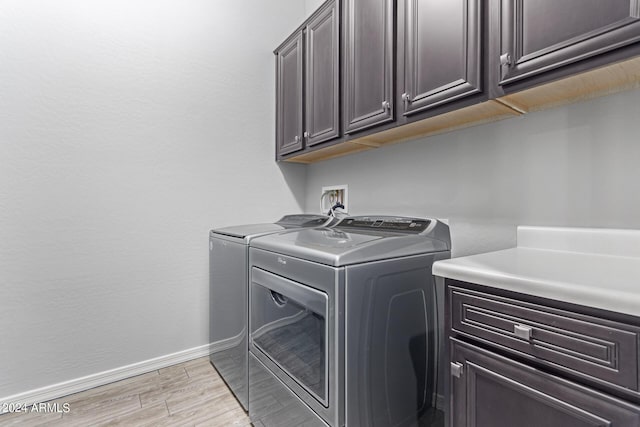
(489, 390)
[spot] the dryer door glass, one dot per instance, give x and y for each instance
(289, 326)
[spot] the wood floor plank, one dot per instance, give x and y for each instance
(197, 362)
(149, 415)
(172, 373)
(29, 419)
(180, 387)
(101, 411)
(221, 402)
(201, 369)
(198, 414)
(187, 394)
(234, 417)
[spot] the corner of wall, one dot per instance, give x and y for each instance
(296, 177)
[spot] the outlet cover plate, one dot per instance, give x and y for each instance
(342, 196)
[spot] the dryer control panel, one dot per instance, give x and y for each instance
(387, 223)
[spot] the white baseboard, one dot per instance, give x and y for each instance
(65, 388)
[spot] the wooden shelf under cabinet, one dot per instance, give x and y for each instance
(613, 78)
(330, 152)
(485, 112)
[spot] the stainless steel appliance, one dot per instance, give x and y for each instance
(228, 282)
(344, 324)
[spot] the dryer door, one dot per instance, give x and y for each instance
(290, 327)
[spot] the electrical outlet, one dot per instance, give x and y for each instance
(333, 194)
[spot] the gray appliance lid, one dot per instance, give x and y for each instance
(304, 220)
(250, 231)
(361, 239)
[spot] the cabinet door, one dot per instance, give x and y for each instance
(289, 103)
(322, 121)
(537, 36)
(442, 48)
(368, 77)
(492, 391)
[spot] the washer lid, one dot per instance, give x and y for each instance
(287, 222)
(249, 231)
(330, 239)
(305, 220)
(348, 244)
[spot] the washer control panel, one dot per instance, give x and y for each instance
(388, 223)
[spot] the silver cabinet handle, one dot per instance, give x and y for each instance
(522, 331)
(306, 135)
(505, 59)
(296, 138)
(405, 97)
(456, 369)
(386, 105)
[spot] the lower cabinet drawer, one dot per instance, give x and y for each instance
(575, 343)
(489, 390)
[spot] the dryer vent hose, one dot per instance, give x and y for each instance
(332, 211)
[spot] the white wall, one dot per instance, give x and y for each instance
(128, 128)
(575, 165)
(311, 5)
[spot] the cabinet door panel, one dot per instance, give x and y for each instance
(289, 96)
(586, 346)
(541, 35)
(322, 120)
(368, 75)
(442, 52)
(493, 391)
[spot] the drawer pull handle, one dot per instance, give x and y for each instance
(523, 332)
(456, 369)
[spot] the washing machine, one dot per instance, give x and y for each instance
(344, 324)
(228, 294)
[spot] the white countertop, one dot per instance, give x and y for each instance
(597, 268)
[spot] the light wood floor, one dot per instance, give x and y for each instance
(189, 394)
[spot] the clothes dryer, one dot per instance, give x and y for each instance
(228, 294)
(345, 323)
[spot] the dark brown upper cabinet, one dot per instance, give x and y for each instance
(368, 63)
(360, 74)
(543, 35)
(440, 52)
(322, 112)
(308, 83)
(289, 102)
